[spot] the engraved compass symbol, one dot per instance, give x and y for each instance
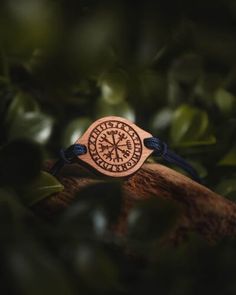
(115, 146)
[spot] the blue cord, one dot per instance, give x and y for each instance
(161, 150)
(67, 156)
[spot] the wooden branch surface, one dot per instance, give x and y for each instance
(204, 211)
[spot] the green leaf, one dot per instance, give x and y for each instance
(227, 188)
(122, 109)
(30, 25)
(225, 101)
(74, 130)
(161, 120)
(114, 86)
(192, 143)
(229, 159)
(95, 208)
(42, 187)
(151, 219)
(186, 68)
(31, 125)
(151, 84)
(34, 270)
(15, 218)
(21, 103)
(96, 269)
(190, 126)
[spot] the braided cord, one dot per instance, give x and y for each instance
(67, 156)
(161, 150)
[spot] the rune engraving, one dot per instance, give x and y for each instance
(115, 146)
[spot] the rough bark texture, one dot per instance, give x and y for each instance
(204, 211)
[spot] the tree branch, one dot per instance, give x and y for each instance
(204, 211)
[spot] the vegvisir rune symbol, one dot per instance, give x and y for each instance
(115, 146)
(118, 148)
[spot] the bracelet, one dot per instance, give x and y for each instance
(116, 147)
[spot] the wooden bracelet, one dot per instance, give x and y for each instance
(116, 147)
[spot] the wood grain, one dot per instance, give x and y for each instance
(115, 146)
(204, 211)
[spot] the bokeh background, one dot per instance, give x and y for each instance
(169, 66)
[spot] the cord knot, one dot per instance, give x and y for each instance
(160, 148)
(67, 155)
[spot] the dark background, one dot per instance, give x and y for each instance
(170, 66)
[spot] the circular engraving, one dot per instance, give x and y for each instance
(114, 146)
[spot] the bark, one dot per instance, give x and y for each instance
(203, 211)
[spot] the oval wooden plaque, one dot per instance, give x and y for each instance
(114, 146)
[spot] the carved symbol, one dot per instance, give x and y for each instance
(116, 146)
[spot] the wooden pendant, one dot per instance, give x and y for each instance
(115, 146)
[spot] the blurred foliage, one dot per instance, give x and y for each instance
(170, 66)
